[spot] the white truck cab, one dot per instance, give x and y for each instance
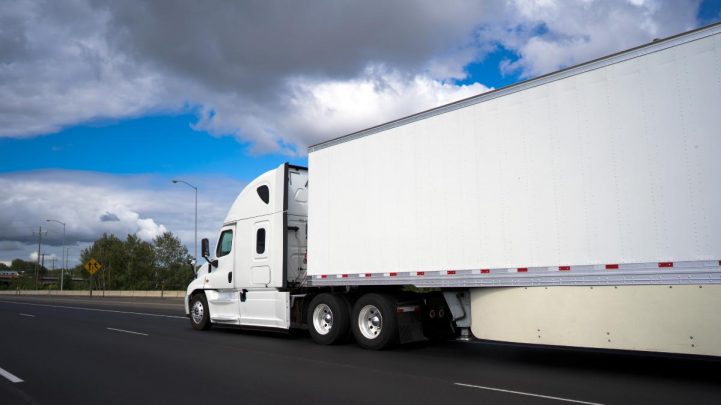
(259, 256)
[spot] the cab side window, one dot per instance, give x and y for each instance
(225, 243)
(264, 193)
(260, 241)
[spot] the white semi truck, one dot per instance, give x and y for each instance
(581, 208)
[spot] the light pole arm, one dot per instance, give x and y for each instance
(195, 236)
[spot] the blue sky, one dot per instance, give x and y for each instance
(161, 144)
(129, 99)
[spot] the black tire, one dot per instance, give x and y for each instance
(329, 319)
(200, 320)
(374, 323)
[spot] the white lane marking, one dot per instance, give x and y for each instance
(28, 315)
(127, 331)
(10, 376)
(94, 309)
(575, 401)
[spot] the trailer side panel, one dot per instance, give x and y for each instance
(618, 164)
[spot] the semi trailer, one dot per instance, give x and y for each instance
(581, 208)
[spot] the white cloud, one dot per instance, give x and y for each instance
(149, 230)
(56, 72)
(33, 257)
(551, 34)
(318, 109)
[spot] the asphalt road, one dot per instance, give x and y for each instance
(120, 351)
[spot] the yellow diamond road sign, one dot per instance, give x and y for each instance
(92, 266)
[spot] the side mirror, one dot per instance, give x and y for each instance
(194, 269)
(205, 248)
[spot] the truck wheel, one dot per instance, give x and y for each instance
(374, 325)
(328, 318)
(199, 312)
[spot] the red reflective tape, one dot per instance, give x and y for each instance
(522, 269)
(451, 272)
(485, 271)
(344, 276)
(719, 262)
(392, 274)
(665, 264)
(611, 267)
(420, 273)
(564, 268)
(368, 274)
(323, 276)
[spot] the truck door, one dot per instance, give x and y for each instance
(219, 282)
(261, 304)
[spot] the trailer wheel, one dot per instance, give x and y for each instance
(375, 326)
(199, 312)
(328, 318)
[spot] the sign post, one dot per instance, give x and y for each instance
(92, 266)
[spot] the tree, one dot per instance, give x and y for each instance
(172, 261)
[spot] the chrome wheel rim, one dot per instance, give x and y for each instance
(322, 319)
(197, 312)
(370, 322)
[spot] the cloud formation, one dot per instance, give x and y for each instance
(279, 75)
(144, 206)
(283, 75)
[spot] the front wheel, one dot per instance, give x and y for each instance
(374, 324)
(199, 313)
(328, 318)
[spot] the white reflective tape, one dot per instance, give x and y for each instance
(407, 308)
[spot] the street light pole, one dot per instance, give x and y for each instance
(65, 260)
(195, 239)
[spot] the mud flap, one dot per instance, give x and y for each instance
(410, 326)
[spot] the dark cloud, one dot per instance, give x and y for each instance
(270, 72)
(109, 217)
(253, 46)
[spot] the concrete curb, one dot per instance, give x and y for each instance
(97, 293)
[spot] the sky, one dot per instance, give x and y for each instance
(103, 103)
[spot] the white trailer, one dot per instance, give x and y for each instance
(581, 208)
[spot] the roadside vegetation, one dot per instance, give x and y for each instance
(130, 264)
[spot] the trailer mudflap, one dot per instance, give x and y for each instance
(410, 324)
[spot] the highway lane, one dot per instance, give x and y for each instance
(112, 350)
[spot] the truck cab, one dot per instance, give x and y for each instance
(259, 256)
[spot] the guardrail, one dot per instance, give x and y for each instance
(97, 293)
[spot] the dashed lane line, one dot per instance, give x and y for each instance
(528, 394)
(127, 331)
(10, 376)
(94, 309)
(28, 315)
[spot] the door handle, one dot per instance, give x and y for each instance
(242, 294)
(230, 276)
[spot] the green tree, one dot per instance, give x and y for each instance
(109, 250)
(172, 262)
(133, 264)
(141, 271)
